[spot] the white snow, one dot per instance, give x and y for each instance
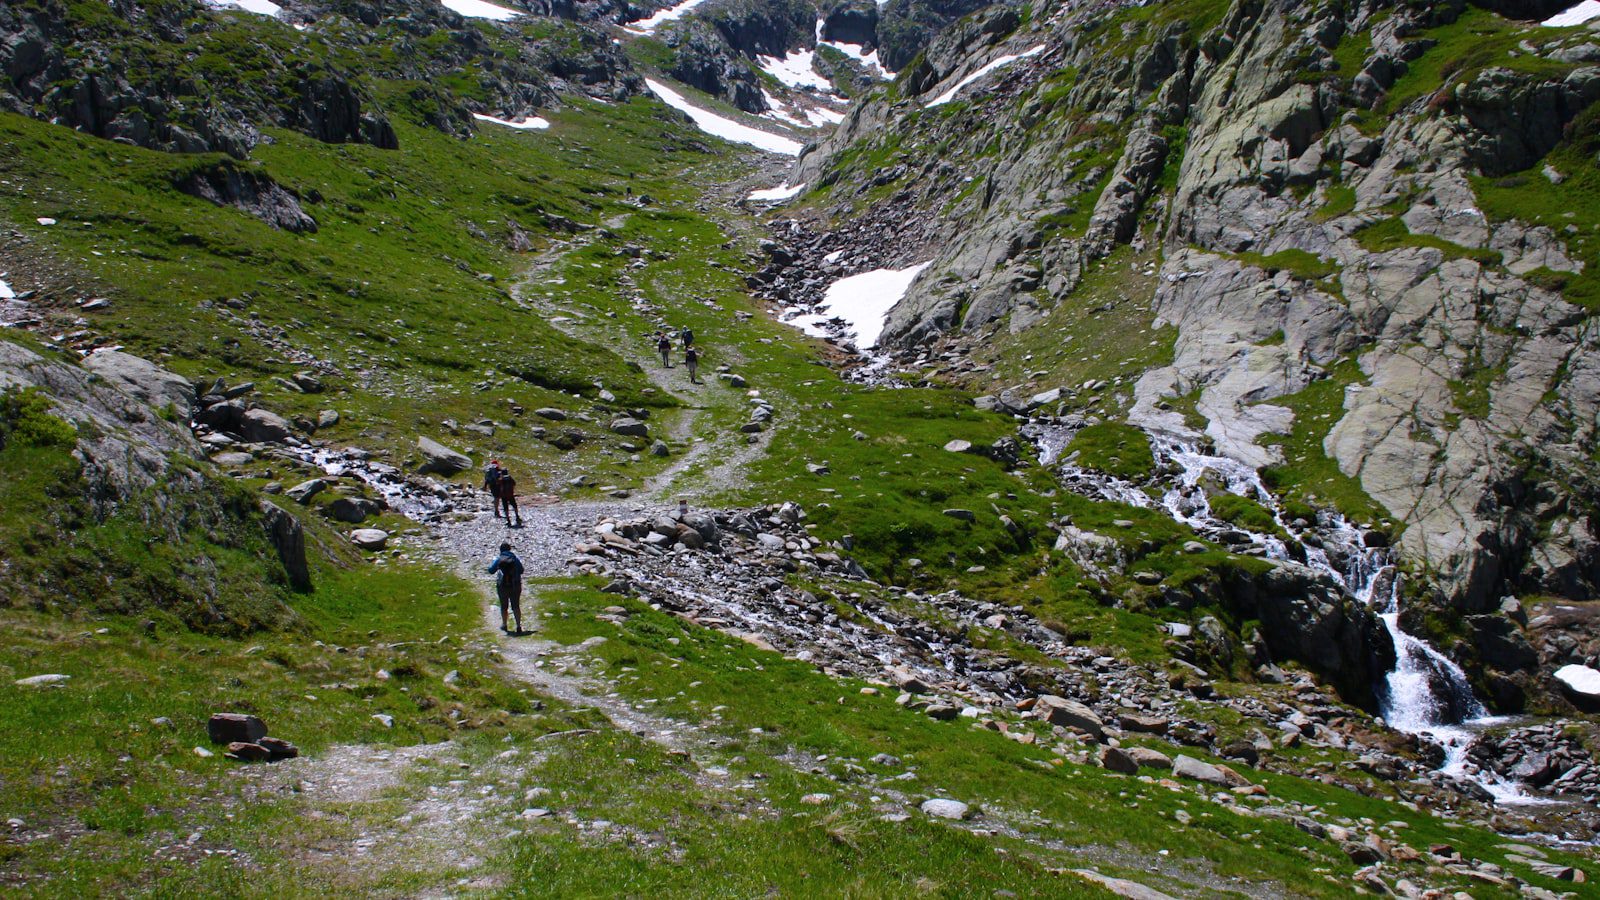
(537, 123)
(1582, 679)
(480, 9)
(1577, 15)
(6, 293)
(663, 16)
(724, 128)
(864, 301)
(949, 95)
(858, 53)
(797, 70)
(821, 115)
(770, 195)
(259, 7)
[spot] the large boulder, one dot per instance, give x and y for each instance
(143, 380)
(226, 728)
(260, 426)
(1581, 685)
(1069, 714)
(630, 427)
(437, 459)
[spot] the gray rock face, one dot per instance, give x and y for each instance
(288, 538)
(143, 380)
(441, 460)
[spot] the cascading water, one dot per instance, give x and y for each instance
(1426, 694)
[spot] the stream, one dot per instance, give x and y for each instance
(1426, 695)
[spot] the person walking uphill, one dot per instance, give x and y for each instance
(691, 361)
(507, 569)
(492, 473)
(664, 347)
(507, 488)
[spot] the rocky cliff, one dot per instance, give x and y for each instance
(1386, 199)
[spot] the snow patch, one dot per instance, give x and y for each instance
(536, 123)
(770, 195)
(949, 95)
(863, 301)
(259, 7)
(1576, 15)
(480, 9)
(797, 70)
(662, 17)
(6, 293)
(724, 128)
(858, 53)
(1582, 679)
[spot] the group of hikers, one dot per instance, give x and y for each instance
(502, 487)
(691, 356)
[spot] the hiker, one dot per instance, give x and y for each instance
(507, 569)
(687, 337)
(664, 347)
(508, 497)
(492, 473)
(691, 361)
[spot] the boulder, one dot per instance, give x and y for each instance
(228, 728)
(1145, 756)
(965, 515)
(439, 459)
(143, 380)
(551, 413)
(370, 538)
(1115, 760)
(43, 680)
(630, 427)
(352, 510)
(1142, 723)
(260, 426)
(278, 748)
(1069, 714)
(1221, 776)
(245, 751)
(946, 809)
(305, 490)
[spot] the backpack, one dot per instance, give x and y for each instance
(510, 568)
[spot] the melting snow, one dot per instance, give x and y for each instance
(858, 53)
(864, 302)
(724, 128)
(949, 95)
(770, 195)
(6, 293)
(1582, 679)
(663, 16)
(259, 7)
(1576, 15)
(479, 9)
(537, 123)
(796, 70)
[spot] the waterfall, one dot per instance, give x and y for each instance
(1426, 694)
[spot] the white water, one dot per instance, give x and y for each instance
(1426, 694)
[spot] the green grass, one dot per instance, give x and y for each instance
(1246, 513)
(1392, 234)
(1308, 476)
(1114, 448)
(1301, 264)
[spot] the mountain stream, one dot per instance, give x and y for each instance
(1426, 695)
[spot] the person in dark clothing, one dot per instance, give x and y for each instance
(508, 498)
(691, 361)
(664, 347)
(507, 569)
(492, 474)
(686, 337)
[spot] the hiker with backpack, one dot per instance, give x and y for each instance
(664, 347)
(686, 337)
(492, 474)
(507, 497)
(691, 361)
(507, 569)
